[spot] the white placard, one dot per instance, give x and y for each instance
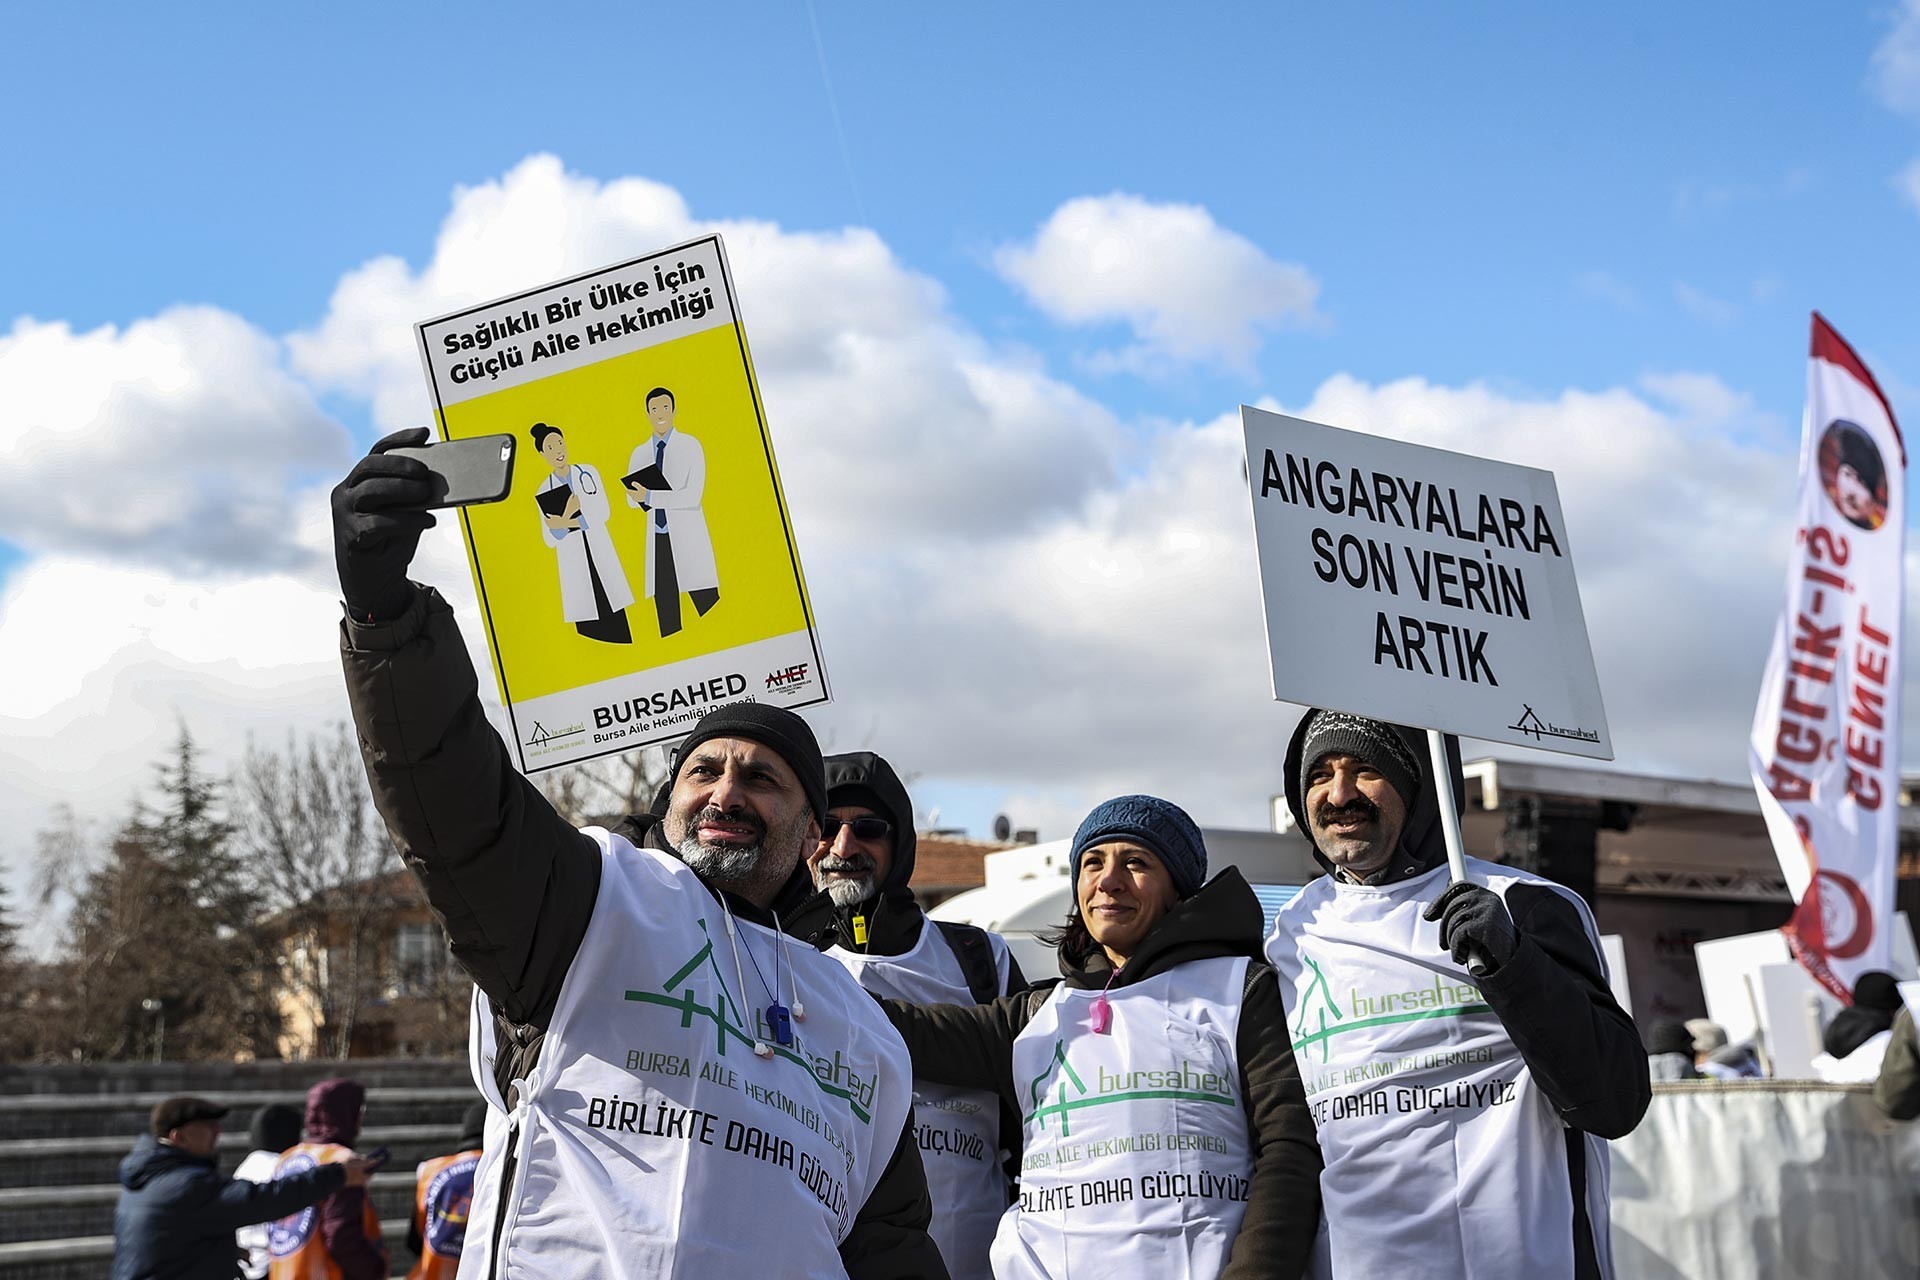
(1420, 586)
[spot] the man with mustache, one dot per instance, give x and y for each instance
(1463, 1119)
(679, 1083)
(864, 861)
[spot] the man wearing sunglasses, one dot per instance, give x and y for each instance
(968, 1142)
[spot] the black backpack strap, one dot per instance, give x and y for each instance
(970, 946)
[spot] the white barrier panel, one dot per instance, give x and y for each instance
(1766, 1179)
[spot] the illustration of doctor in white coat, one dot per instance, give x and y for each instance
(594, 592)
(679, 552)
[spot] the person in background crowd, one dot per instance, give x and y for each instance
(641, 989)
(1855, 1041)
(1705, 1035)
(1462, 1117)
(443, 1200)
(1718, 1060)
(864, 861)
(1670, 1051)
(1897, 1088)
(341, 1241)
(275, 1127)
(1166, 1131)
(178, 1212)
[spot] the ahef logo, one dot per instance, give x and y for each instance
(449, 1200)
(286, 1235)
(788, 678)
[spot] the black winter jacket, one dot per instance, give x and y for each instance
(1552, 995)
(178, 1212)
(515, 884)
(972, 1046)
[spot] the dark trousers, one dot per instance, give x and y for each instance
(666, 587)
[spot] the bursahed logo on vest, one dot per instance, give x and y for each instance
(833, 1076)
(1184, 1082)
(1324, 1016)
(286, 1235)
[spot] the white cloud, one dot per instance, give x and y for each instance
(887, 412)
(1894, 68)
(1608, 288)
(1015, 590)
(1189, 289)
(170, 442)
(1703, 306)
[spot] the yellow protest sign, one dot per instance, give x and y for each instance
(642, 571)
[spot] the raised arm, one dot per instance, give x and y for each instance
(511, 880)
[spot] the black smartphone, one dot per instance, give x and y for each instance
(377, 1157)
(466, 472)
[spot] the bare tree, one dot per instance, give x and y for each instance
(305, 820)
(605, 790)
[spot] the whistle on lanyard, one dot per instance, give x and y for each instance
(860, 930)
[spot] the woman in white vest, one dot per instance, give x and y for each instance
(1166, 1131)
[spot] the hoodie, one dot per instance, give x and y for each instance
(178, 1212)
(333, 1116)
(973, 1046)
(1343, 948)
(894, 919)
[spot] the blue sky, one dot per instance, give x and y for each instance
(1567, 235)
(1452, 180)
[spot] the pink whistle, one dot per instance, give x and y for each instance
(1100, 1018)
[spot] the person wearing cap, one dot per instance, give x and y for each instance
(275, 1127)
(178, 1213)
(443, 1199)
(679, 1082)
(864, 861)
(1715, 1058)
(1166, 1132)
(340, 1238)
(1463, 1117)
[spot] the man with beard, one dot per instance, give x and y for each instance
(1462, 1117)
(679, 1084)
(864, 861)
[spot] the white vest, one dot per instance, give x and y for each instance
(1138, 1158)
(1443, 1156)
(651, 1140)
(958, 1129)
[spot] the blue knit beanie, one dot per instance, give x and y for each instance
(1160, 825)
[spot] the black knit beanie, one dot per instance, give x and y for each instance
(1338, 733)
(790, 736)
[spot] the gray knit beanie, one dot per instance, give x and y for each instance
(1338, 733)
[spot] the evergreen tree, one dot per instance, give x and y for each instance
(168, 959)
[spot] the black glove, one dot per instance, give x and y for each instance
(1473, 919)
(378, 516)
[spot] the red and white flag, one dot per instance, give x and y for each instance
(1825, 751)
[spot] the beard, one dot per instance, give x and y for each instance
(743, 868)
(847, 893)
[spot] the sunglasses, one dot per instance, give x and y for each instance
(862, 828)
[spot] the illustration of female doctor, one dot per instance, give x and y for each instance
(594, 594)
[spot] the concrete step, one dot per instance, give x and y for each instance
(52, 1162)
(54, 1213)
(126, 1114)
(224, 1077)
(89, 1257)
